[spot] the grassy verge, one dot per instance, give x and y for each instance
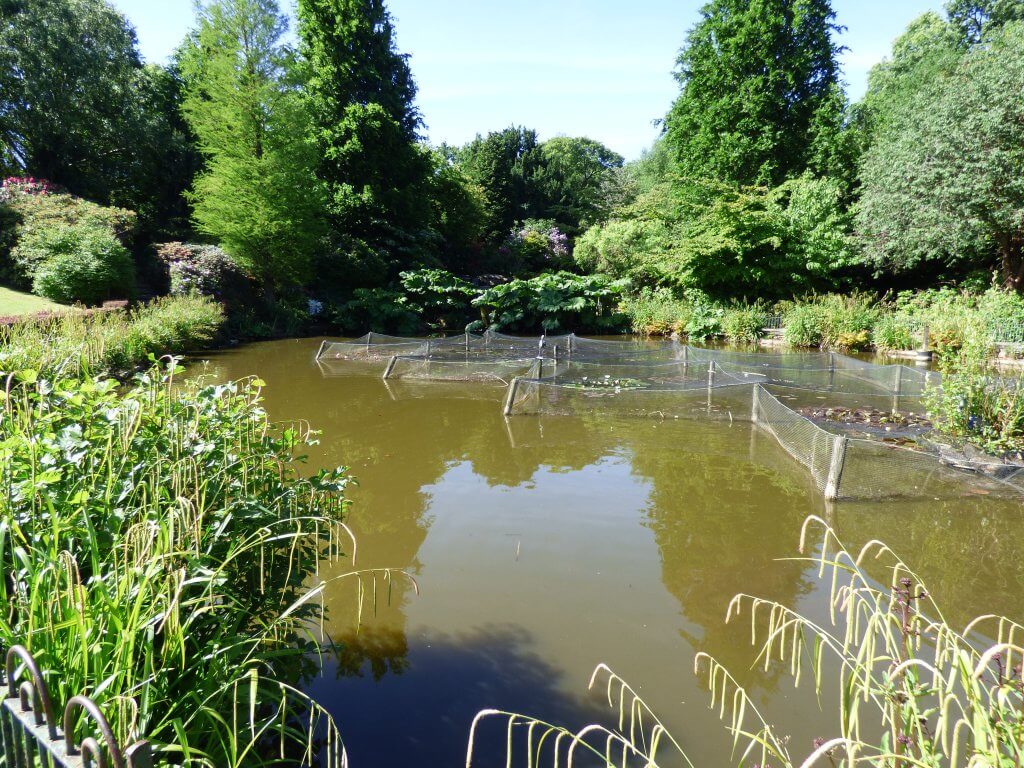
(16, 304)
(74, 345)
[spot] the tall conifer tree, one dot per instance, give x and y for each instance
(364, 121)
(759, 81)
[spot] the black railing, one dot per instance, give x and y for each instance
(29, 732)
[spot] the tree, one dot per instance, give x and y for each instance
(754, 78)
(977, 19)
(70, 104)
(257, 194)
(364, 123)
(943, 184)
(575, 179)
(503, 164)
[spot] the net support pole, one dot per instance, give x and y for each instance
(428, 347)
(369, 338)
(391, 366)
(320, 352)
(898, 389)
(755, 408)
(511, 397)
(540, 366)
(831, 369)
(835, 468)
(711, 380)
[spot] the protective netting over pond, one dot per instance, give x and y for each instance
(860, 430)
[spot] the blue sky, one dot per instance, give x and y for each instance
(598, 68)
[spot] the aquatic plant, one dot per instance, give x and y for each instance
(160, 548)
(913, 691)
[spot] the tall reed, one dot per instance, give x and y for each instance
(159, 549)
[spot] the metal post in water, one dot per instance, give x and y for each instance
(835, 469)
(369, 338)
(831, 370)
(711, 380)
(320, 352)
(899, 389)
(510, 400)
(391, 366)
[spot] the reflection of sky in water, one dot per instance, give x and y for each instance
(545, 545)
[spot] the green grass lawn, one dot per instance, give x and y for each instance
(17, 303)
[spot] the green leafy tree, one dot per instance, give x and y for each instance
(364, 123)
(576, 180)
(977, 19)
(257, 194)
(70, 109)
(755, 79)
(943, 184)
(503, 164)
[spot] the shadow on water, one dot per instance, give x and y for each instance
(422, 715)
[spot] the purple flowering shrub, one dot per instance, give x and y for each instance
(535, 246)
(199, 269)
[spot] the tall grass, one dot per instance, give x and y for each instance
(75, 345)
(912, 690)
(159, 549)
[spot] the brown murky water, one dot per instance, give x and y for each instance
(543, 546)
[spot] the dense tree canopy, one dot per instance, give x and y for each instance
(755, 78)
(70, 106)
(943, 183)
(364, 122)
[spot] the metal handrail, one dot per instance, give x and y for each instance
(29, 732)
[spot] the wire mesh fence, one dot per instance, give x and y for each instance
(859, 429)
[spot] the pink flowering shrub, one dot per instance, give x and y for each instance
(200, 269)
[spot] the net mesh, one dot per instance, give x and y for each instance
(859, 429)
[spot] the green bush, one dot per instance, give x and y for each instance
(384, 310)
(803, 326)
(705, 318)
(894, 332)
(744, 324)
(658, 311)
(978, 403)
(27, 214)
(440, 299)
(79, 263)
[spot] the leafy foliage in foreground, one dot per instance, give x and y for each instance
(913, 691)
(156, 544)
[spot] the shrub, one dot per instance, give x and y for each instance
(385, 310)
(894, 332)
(744, 324)
(977, 403)
(33, 210)
(442, 300)
(657, 312)
(78, 263)
(705, 318)
(534, 246)
(555, 300)
(803, 326)
(202, 269)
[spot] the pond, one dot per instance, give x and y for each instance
(545, 545)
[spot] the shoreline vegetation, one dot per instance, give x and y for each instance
(158, 538)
